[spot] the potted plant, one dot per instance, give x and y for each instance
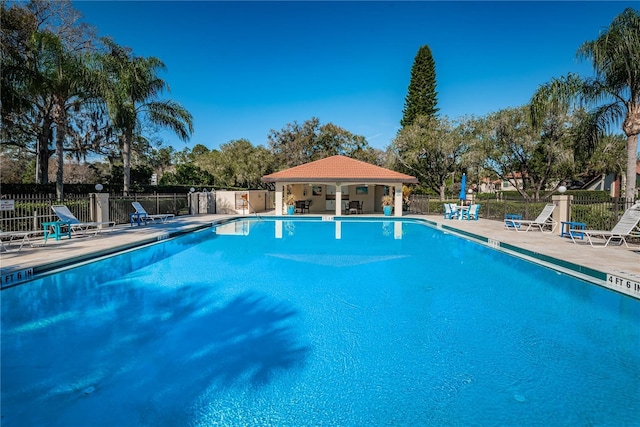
(387, 205)
(406, 197)
(291, 204)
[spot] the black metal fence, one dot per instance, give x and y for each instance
(29, 211)
(489, 208)
(120, 206)
(598, 213)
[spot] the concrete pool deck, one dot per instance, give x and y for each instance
(615, 267)
(598, 265)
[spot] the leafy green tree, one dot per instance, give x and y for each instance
(140, 175)
(422, 98)
(161, 159)
(27, 120)
(534, 161)
(187, 174)
(609, 156)
(103, 171)
(245, 164)
(131, 86)
(237, 164)
(198, 150)
(183, 156)
(429, 148)
(614, 92)
(370, 155)
(15, 165)
(191, 155)
(213, 162)
(298, 144)
(18, 25)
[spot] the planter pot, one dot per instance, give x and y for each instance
(291, 209)
(387, 210)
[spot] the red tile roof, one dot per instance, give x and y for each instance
(339, 169)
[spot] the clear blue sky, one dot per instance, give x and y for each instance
(244, 68)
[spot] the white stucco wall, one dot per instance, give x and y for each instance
(230, 202)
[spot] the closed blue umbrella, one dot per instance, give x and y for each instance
(463, 187)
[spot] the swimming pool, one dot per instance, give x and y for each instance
(296, 323)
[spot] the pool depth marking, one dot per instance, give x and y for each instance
(15, 277)
(625, 286)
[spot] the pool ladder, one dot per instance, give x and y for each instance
(246, 198)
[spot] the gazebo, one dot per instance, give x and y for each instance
(329, 184)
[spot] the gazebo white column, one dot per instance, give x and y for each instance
(397, 202)
(338, 199)
(279, 197)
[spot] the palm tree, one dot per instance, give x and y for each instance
(131, 87)
(43, 80)
(62, 76)
(614, 91)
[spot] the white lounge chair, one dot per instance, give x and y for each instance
(543, 221)
(619, 232)
(74, 224)
(10, 238)
(142, 214)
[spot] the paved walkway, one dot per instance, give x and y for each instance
(599, 265)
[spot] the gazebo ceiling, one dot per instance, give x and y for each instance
(339, 169)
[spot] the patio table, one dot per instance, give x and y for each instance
(567, 228)
(460, 210)
(54, 229)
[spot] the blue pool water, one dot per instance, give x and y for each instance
(351, 324)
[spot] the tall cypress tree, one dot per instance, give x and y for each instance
(422, 96)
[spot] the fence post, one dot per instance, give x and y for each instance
(175, 204)
(562, 213)
(192, 203)
(100, 207)
(211, 202)
(35, 220)
(92, 207)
